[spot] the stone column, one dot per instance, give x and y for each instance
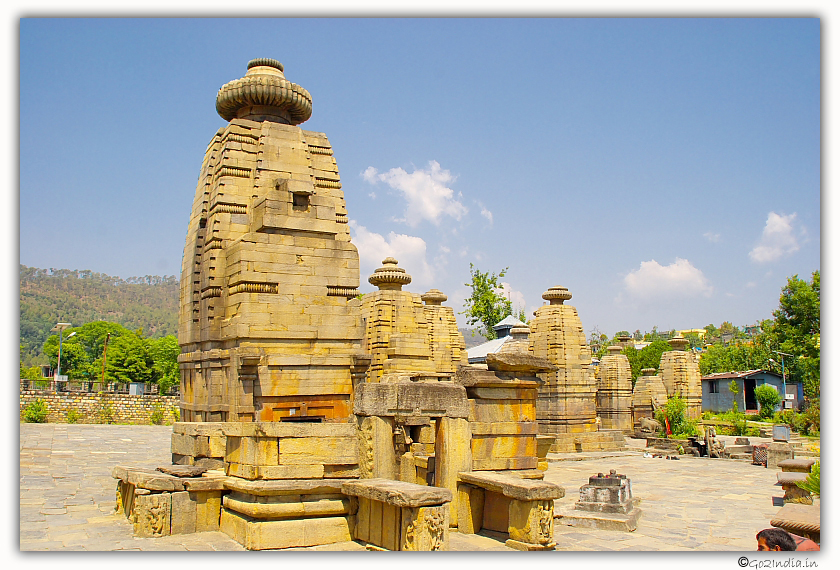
(452, 455)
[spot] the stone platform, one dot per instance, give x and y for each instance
(67, 498)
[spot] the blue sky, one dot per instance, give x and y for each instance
(666, 171)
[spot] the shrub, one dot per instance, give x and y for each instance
(156, 417)
(106, 414)
(73, 416)
(812, 482)
(674, 410)
(768, 398)
(36, 412)
(176, 414)
(810, 419)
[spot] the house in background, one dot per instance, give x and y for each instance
(718, 398)
(478, 354)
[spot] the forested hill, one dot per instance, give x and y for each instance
(49, 296)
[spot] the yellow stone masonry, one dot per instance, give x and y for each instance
(268, 320)
(566, 402)
(615, 391)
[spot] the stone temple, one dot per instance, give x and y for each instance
(313, 415)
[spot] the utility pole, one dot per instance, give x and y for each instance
(784, 381)
(104, 358)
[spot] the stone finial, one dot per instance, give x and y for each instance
(520, 332)
(264, 94)
(679, 342)
(648, 371)
(614, 349)
(557, 295)
(433, 297)
(389, 277)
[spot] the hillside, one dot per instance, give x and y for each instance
(49, 296)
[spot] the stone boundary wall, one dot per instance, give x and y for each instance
(100, 408)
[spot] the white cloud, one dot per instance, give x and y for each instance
(654, 282)
(426, 192)
(410, 251)
(517, 299)
(712, 237)
(777, 239)
(370, 174)
(372, 195)
(487, 214)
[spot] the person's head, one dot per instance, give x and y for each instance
(775, 539)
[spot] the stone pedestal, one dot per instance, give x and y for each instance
(264, 515)
(777, 452)
(160, 504)
(606, 503)
(803, 520)
(395, 515)
(521, 508)
(793, 492)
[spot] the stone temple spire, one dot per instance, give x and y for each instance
(264, 94)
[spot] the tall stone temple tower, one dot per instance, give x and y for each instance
(566, 402)
(269, 324)
(615, 391)
(681, 375)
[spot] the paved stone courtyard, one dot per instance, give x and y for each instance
(67, 497)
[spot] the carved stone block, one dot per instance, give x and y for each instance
(152, 515)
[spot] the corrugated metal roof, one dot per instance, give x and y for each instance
(478, 353)
(743, 374)
(508, 321)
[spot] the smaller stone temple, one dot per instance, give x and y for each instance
(567, 400)
(615, 391)
(566, 408)
(680, 373)
(649, 395)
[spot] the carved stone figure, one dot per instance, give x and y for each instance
(649, 425)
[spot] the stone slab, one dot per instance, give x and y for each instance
(601, 521)
(802, 465)
(182, 470)
(397, 493)
(263, 535)
(800, 519)
(513, 487)
(285, 486)
(288, 429)
(518, 362)
(148, 479)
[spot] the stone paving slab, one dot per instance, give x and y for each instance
(67, 497)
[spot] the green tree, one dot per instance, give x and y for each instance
(486, 305)
(74, 359)
(164, 352)
(768, 398)
(648, 357)
(128, 360)
(797, 331)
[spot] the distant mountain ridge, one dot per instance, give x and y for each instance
(49, 296)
